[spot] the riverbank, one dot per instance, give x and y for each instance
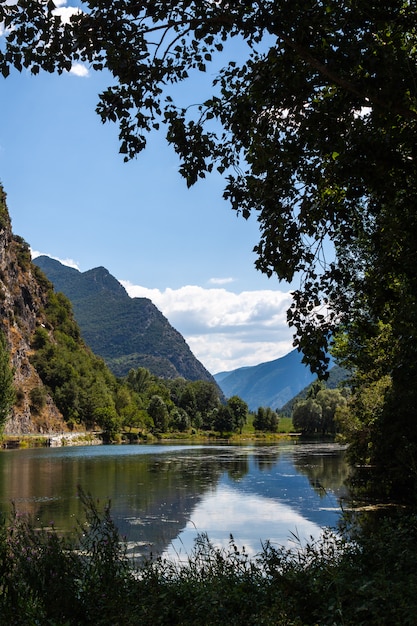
(96, 439)
(52, 440)
(11, 442)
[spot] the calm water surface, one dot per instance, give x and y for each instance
(162, 496)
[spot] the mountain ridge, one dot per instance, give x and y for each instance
(126, 332)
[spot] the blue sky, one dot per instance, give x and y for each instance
(71, 196)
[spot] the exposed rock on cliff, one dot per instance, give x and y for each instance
(23, 296)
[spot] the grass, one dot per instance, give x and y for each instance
(23, 441)
(363, 577)
(285, 425)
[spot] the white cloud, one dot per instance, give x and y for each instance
(64, 12)
(248, 517)
(78, 69)
(225, 330)
(68, 262)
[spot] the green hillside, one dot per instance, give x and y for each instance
(126, 332)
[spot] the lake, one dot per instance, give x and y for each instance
(162, 496)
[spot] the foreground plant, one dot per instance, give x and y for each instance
(76, 580)
(361, 578)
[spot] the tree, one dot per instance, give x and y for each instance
(307, 417)
(132, 417)
(96, 400)
(266, 419)
(179, 420)
(109, 421)
(37, 397)
(187, 401)
(316, 414)
(158, 411)
(239, 410)
(206, 402)
(7, 390)
(359, 418)
(224, 419)
(330, 401)
(315, 131)
(139, 380)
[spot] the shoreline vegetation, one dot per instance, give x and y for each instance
(133, 435)
(362, 575)
(53, 440)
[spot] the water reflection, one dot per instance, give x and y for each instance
(250, 519)
(322, 467)
(163, 495)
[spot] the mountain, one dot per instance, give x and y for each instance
(126, 332)
(270, 384)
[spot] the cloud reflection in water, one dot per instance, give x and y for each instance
(249, 518)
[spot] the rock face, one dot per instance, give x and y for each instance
(23, 296)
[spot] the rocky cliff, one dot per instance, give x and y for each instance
(23, 297)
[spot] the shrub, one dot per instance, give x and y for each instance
(37, 399)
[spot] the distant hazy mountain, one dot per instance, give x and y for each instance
(126, 332)
(337, 377)
(270, 384)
